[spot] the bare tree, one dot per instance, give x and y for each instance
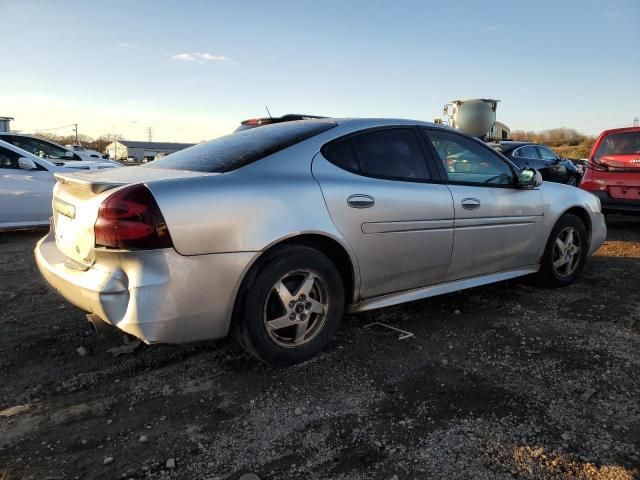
(566, 141)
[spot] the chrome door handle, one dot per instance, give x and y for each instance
(360, 201)
(470, 203)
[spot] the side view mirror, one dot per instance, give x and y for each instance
(27, 164)
(529, 178)
(68, 154)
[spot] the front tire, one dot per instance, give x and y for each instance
(291, 307)
(566, 252)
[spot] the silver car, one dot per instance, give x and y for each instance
(274, 232)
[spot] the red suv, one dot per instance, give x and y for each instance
(613, 171)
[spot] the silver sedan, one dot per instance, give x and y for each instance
(274, 232)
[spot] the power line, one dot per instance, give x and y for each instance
(54, 128)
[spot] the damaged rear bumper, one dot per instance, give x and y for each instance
(159, 296)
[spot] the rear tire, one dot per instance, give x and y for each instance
(565, 254)
(291, 307)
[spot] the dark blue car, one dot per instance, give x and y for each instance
(552, 167)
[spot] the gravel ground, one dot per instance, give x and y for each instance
(505, 381)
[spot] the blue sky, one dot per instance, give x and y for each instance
(193, 69)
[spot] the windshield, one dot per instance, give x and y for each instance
(623, 143)
(233, 151)
(36, 146)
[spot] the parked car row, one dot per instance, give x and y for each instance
(296, 215)
(273, 233)
(84, 152)
(27, 179)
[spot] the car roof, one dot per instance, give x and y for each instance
(29, 135)
(508, 145)
(360, 121)
(373, 122)
(620, 130)
(284, 118)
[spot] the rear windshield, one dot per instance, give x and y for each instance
(623, 143)
(233, 151)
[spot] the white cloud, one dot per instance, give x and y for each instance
(200, 57)
(128, 45)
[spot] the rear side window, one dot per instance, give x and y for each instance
(234, 151)
(392, 153)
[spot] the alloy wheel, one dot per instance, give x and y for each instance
(567, 252)
(296, 308)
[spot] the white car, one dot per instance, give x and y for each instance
(26, 185)
(85, 153)
(41, 147)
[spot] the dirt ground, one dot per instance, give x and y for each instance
(504, 381)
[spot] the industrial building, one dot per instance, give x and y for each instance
(139, 150)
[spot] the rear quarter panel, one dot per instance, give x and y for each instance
(248, 209)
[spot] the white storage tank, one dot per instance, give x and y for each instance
(475, 117)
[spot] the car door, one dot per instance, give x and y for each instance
(382, 197)
(498, 226)
(25, 195)
(555, 168)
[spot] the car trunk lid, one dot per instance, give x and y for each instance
(76, 202)
(624, 161)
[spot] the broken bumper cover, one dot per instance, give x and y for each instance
(158, 296)
(598, 232)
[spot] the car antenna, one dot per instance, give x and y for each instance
(268, 112)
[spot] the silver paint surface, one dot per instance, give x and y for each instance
(415, 240)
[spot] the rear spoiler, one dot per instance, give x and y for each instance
(84, 183)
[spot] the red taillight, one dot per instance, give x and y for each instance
(251, 121)
(130, 218)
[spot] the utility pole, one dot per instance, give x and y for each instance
(636, 122)
(75, 129)
(150, 134)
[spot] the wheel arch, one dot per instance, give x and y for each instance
(583, 215)
(335, 250)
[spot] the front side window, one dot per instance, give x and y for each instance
(38, 147)
(469, 162)
(389, 153)
(238, 149)
(528, 151)
(546, 153)
(8, 159)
